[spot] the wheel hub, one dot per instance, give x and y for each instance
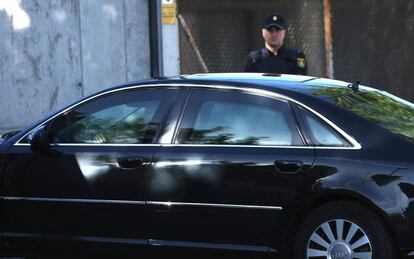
(339, 251)
(339, 239)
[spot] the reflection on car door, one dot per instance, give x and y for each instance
(235, 163)
(90, 186)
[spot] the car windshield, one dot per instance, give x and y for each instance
(387, 110)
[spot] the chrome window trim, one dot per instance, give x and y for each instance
(254, 146)
(337, 148)
(93, 97)
(266, 93)
(214, 205)
(237, 146)
(260, 92)
(92, 145)
(183, 145)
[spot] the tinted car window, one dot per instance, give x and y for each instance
(321, 133)
(127, 117)
(234, 118)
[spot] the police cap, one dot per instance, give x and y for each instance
(274, 20)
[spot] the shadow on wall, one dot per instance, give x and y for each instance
(20, 19)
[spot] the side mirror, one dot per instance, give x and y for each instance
(38, 139)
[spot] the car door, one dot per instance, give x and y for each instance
(89, 186)
(227, 176)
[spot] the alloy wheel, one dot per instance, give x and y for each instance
(339, 239)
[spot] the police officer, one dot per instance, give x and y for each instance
(274, 57)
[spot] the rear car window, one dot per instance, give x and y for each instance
(321, 133)
(234, 118)
(387, 110)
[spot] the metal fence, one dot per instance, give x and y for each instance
(371, 39)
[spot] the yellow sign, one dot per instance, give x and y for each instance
(168, 11)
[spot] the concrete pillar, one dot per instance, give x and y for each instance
(170, 42)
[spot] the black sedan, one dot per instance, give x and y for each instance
(257, 164)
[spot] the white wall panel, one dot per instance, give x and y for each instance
(53, 52)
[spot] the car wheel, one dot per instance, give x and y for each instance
(343, 230)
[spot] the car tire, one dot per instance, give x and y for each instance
(343, 230)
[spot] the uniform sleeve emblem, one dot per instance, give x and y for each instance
(300, 62)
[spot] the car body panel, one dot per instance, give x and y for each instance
(227, 195)
(76, 191)
(214, 197)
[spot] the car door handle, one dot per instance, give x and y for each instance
(288, 166)
(129, 162)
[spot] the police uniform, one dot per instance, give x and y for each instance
(286, 61)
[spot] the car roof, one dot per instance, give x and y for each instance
(281, 83)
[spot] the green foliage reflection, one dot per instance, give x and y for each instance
(93, 129)
(390, 112)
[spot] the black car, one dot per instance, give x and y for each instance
(257, 164)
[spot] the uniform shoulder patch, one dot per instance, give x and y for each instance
(301, 60)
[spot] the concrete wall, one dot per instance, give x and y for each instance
(171, 52)
(52, 52)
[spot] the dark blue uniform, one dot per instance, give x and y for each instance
(287, 61)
